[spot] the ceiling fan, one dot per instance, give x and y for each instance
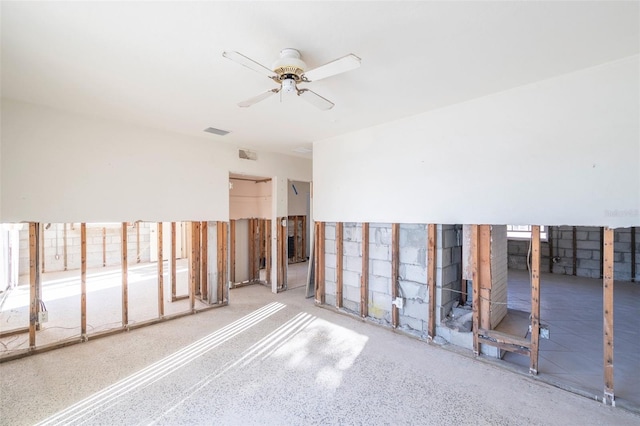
(290, 70)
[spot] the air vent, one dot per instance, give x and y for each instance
(215, 131)
(303, 150)
(247, 155)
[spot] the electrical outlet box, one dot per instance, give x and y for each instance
(544, 331)
(43, 316)
(399, 302)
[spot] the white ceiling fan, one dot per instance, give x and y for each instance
(290, 70)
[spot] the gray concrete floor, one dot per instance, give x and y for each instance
(278, 359)
(573, 355)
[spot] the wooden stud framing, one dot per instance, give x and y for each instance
(550, 244)
(607, 289)
(160, 272)
(320, 265)
(125, 277)
(282, 254)
(484, 278)
(222, 255)
(395, 272)
(196, 265)
(64, 246)
(41, 249)
(204, 267)
(137, 225)
(34, 278)
(173, 261)
(535, 299)
(304, 238)
(476, 288)
(83, 280)
(633, 253)
(267, 258)
(296, 248)
(255, 276)
(251, 264)
(364, 278)
(431, 278)
(339, 263)
(193, 264)
(232, 251)
(104, 247)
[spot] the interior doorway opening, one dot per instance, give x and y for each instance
(298, 233)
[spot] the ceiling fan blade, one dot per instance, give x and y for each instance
(256, 99)
(340, 65)
(249, 63)
(316, 100)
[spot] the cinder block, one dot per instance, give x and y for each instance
(330, 287)
(589, 245)
(330, 300)
(449, 238)
(589, 264)
(330, 232)
(443, 257)
(351, 279)
(415, 309)
(412, 323)
(456, 255)
(594, 235)
(380, 284)
(381, 268)
(351, 293)
(622, 236)
(589, 273)
(413, 273)
(351, 248)
(581, 235)
(451, 274)
(353, 264)
(381, 302)
(413, 236)
(351, 306)
(330, 260)
(380, 252)
(329, 247)
(330, 274)
(413, 290)
(381, 233)
(584, 254)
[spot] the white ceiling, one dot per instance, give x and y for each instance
(160, 64)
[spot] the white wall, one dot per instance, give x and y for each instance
(561, 151)
(62, 167)
(298, 202)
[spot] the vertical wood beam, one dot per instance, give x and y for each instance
(282, 253)
(220, 263)
(252, 249)
(137, 225)
(535, 299)
(395, 272)
(296, 252)
(196, 256)
(476, 287)
(256, 248)
(550, 243)
(304, 238)
(125, 277)
(34, 278)
(64, 245)
(320, 265)
(104, 247)
(232, 250)
(225, 263)
(431, 278)
(339, 263)
(204, 254)
(601, 252)
(608, 316)
(160, 272)
(192, 265)
(364, 278)
(267, 260)
(83, 280)
(41, 249)
(173, 261)
(484, 247)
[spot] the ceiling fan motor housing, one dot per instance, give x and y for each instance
(289, 66)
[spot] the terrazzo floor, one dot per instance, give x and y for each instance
(277, 359)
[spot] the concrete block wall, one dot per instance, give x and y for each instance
(412, 284)
(380, 272)
(448, 268)
(588, 247)
(352, 266)
(499, 262)
(53, 263)
(330, 259)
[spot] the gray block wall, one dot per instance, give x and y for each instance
(380, 272)
(352, 266)
(412, 286)
(53, 246)
(330, 258)
(588, 248)
(448, 268)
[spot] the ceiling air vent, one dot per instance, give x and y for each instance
(215, 131)
(247, 155)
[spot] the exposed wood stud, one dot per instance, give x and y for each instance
(193, 265)
(574, 245)
(267, 260)
(296, 247)
(304, 238)
(41, 252)
(364, 278)
(104, 247)
(225, 263)
(608, 316)
(232, 250)
(34, 277)
(196, 252)
(535, 299)
(204, 267)
(601, 252)
(252, 249)
(395, 271)
(550, 244)
(220, 260)
(173, 261)
(282, 253)
(160, 272)
(476, 288)
(125, 277)
(484, 277)
(431, 278)
(137, 225)
(256, 247)
(83, 280)
(64, 245)
(320, 265)
(339, 263)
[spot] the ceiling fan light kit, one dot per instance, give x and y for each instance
(289, 70)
